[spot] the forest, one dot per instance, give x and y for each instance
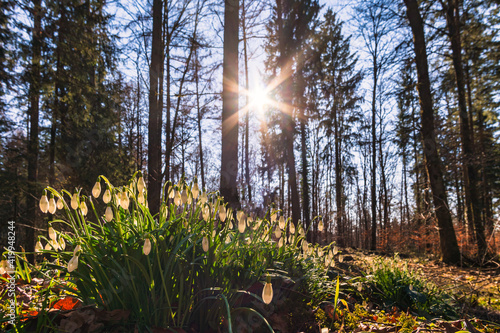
(350, 127)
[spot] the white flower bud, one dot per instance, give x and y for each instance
(108, 214)
(321, 226)
(96, 190)
(52, 233)
(83, 208)
(38, 246)
(222, 213)
(292, 228)
(177, 199)
(107, 196)
(140, 198)
(62, 243)
(242, 223)
(73, 264)
(267, 293)
(204, 243)
(147, 246)
(273, 217)
(141, 184)
(44, 204)
(74, 201)
(52, 205)
(60, 203)
(203, 198)
(282, 222)
(125, 201)
(184, 197)
(195, 190)
(54, 244)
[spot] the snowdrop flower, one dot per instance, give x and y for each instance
(195, 190)
(108, 214)
(52, 233)
(305, 246)
(147, 246)
(222, 213)
(117, 199)
(140, 198)
(141, 184)
(267, 292)
(44, 204)
(277, 232)
(292, 228)
(38, 246)
(321, 226)
(83, 208)
(78, 248)
(206, 213)
(52, 205)
(54, 244)
(282, 222)
(74, 201)
(184, 196)
(273, 217)
(177, 198)
(203, 198)
(62, 243)
(96, 190)
(125, 201)
(204, 243)
(73, 264)
(242, 222)
(107, 196)
(60, 204)
(280, 242)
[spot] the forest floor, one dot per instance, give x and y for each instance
(476, 295)
(475, 291)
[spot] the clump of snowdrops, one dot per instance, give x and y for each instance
(189, 263)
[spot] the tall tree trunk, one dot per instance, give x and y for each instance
(373, 244)
(486, 187)
(338, 175)
(138, 124)
(247, 113)
(306, 212)
(155, 112)
(288, 122)
(472, 199)
(198, 118)
(229, 156)
(33, 144)
(448, 242)
(168, 126)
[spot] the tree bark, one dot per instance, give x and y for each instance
(448, 242)
(306, 212)
(373, 244)
(230, 114)
(472, 198)
(247, 113)
(155, 112)
(34, 111)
